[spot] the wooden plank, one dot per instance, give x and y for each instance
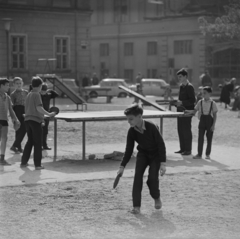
(142, 98)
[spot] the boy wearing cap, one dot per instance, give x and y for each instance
(18, 97)
(46, 96)
(207, 114)
(5, 107)
(151, 152)
(34, 117)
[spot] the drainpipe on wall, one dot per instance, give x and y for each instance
(119, 49)
(76, 49)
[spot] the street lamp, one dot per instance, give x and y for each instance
(7, 27)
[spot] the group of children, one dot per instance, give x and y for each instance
(28, 111)
(151, 146)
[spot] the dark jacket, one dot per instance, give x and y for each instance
(51, 94)
(187, 96)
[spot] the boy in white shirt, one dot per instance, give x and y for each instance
(5, 108)
(207, 114)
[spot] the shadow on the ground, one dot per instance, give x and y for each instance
(31, 176)
(85, 166)
(188, 161)
(153, 226)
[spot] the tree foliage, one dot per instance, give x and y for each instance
(226, 26)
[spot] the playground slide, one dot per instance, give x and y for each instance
(58, 84)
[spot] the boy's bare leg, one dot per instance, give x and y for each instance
(4, 133)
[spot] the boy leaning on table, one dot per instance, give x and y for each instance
(151, 152)
(207, 114)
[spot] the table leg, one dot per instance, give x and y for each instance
(161, 126)
(55, 140)
(83, 140)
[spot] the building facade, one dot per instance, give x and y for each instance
(44, 36)
(155, 38)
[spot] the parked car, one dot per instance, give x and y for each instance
(112, 83)
(156, 87)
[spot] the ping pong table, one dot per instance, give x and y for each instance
(89, 116)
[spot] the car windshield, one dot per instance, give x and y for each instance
(125, 84)
(70, 83)
(163, 83)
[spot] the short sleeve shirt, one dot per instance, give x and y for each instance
(5, 102)
(204, 107)
(18, 97)
(33, 100)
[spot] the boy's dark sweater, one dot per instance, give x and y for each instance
(187, 96)
(150, 143)
(51, 94)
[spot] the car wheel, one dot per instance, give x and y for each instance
(122, 95)
(93, 94)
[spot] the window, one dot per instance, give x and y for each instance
(104, 72)
(62, 53)
(152, 73)
(104, 49)
(100, 11)
(17, 2)
(18, 52)
(183, 47)
(153, 10)
(152, 48)
(120, 10)
(128, 75)
(128, 49)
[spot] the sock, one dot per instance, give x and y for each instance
(2, 157)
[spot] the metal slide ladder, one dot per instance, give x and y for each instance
(57, 83)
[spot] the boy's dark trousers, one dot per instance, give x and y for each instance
(45, 132)
(184, 125)
(34, 133)
(144, 160)
(205, 124)
(20, 133)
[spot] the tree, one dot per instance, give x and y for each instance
(226, 26)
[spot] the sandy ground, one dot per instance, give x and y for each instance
(195, 205)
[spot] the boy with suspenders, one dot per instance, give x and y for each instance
(207, 114)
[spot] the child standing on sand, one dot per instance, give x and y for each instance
(207, 112)
(151, 152)
(34, 117)
(18, 97)
(5, 107)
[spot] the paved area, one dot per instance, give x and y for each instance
(70, 167)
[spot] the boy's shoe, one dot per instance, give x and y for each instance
(24, 165)
(207, 157)
(158, 203)
(5, 163)
(186, 153)
(39, 168)
(20, 150)
(197, 157)
(179, 152)
(15, 150)
(46, 148)
(135, 210)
